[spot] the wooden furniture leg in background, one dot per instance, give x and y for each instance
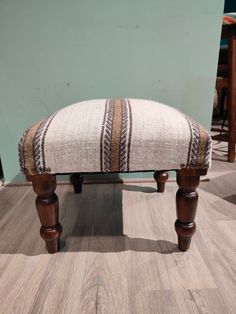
(77, 180)
(161, 177)
(232, 94)
(186, 205)
(47, 206)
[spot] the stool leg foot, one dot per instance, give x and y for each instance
(186, 205)
(185, 232)
(47, 206)
(77, 180)
(161, 178)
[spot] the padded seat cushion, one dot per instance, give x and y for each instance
(114, 135)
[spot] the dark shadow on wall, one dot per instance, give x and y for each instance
(1, 171)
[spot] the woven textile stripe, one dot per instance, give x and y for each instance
(38, 146)
(199, 147)
(31, 148)
(116, 136)
(26, 149)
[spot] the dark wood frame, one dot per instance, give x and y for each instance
(47, 204)
(229, 82)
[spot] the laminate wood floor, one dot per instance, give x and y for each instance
(120, 251)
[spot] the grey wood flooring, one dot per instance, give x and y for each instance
(120, 251)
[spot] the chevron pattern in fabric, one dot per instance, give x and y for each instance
(199, 146)
(31, 148)
(116, 136)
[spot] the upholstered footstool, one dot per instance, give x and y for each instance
(115, 135)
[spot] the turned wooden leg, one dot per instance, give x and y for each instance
(76, 179)
(231, 100)
(186, 205)
(161, 177)
(47, 206)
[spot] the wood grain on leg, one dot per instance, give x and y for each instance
(161, 177)
(47, 206)
(77, 180)
(186, 205)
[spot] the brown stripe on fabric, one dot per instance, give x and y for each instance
(190, 142)
(116, 134)
(193, 142)
(37, 149)
(49, 120)
(28, 149)
(130, 134)
(202, 147)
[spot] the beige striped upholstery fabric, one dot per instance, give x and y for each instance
(114, 135)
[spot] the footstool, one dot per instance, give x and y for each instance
(109, 136)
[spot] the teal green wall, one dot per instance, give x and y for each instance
(56, 52)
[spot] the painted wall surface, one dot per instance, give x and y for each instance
(55, 52)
